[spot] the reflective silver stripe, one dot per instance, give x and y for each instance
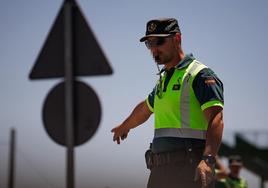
(184, 131)
(185, 97)
(180, 132)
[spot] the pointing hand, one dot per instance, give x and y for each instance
(120, 133)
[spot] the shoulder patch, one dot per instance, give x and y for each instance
(210, 81)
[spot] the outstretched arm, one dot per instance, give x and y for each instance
(138, 116)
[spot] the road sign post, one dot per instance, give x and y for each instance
(12, 154)
(69, 114)
(70, 50)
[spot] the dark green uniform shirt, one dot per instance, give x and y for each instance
(231, 182)
(207, 87)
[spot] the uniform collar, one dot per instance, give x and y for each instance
(185, 61)
(234, 178)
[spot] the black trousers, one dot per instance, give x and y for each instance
(176, 169)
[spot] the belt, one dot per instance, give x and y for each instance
(167, 144)
(166, 158)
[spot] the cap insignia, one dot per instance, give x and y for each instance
(152, 27)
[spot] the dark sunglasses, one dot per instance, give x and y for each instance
(156, 42)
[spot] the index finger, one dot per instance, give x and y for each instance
(118, 140)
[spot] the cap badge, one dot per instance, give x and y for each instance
(152, 27)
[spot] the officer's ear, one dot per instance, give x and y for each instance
(178, 37)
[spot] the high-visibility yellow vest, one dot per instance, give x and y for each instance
(177, 111)
(231, 183)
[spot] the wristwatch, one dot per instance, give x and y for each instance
(209, 159)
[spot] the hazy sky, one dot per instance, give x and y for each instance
(229, 36)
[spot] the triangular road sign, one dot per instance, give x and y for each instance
(89, 59)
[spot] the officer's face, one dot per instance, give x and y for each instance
(162, 49)
(235, 169)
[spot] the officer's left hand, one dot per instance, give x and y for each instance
(120, 133)
(205, 173)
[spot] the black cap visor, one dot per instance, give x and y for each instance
(153, 35)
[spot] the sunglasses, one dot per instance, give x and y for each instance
(156, 42)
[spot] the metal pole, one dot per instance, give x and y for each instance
(12, 148)
(262, 182)
(69, 84)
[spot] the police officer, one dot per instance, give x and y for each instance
(233, 178)
(187, 103)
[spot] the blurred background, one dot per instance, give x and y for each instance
(228, 36)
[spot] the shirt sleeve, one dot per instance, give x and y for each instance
(150, 100)
(208, 89)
